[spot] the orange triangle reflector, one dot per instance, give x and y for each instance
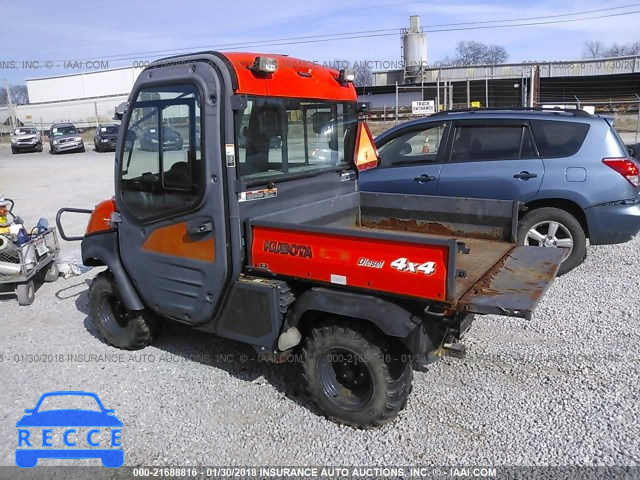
(366, 153)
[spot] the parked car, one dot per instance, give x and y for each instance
(570, 169)
(106, 137)
(26, 139)
(65, 137)
(171, 140)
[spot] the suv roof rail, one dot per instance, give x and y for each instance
(574, 111)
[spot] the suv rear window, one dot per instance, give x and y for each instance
(488, 143)
(558, 139)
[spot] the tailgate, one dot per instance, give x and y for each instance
(515, 285)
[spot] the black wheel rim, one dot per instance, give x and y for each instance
(112, 313)
(345, 378)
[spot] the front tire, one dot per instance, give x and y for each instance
(13, 150)
(354, 375)
(26, 293)
(118, 326)
(553, 227)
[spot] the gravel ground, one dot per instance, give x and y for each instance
(561, 389)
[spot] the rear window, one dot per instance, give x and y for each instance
(489, 143)
(558, 139)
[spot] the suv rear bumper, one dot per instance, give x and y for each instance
(615, 222)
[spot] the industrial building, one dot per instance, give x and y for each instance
(83, 98)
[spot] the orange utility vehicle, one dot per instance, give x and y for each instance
(255, 230)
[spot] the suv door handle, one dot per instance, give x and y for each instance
(525, 175)
(202, 228)
(424, 178)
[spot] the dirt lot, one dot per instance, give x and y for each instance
(561, 389)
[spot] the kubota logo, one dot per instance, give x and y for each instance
(292, 249)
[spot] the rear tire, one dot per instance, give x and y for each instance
(118, 326)
(354, 375)
(536, 224)
(26, 293)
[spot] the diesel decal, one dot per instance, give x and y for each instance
(365, 262)
(292, 249)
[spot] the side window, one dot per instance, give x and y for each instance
(414, 147)
(558, 139)
(487, 143)
(162, 171)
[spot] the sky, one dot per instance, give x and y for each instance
(39, 39)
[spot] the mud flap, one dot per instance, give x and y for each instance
(515, 285)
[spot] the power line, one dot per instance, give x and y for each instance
(538, 18)
(355, 35)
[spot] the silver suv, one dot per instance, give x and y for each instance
(65, 137)
(26, 139)
(571, 171)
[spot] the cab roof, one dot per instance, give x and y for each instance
(294, 77)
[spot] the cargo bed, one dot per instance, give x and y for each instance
(456, 252)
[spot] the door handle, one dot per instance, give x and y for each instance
(424, 178)
(525, 175)
(202, 228)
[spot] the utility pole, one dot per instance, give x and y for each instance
(523, 91)
(446, 95)
(638, 122)
(486, 88)
(95, 107)
(12, 114)
(450, 95)
(396, 121)
(532, 86)
(468, 94)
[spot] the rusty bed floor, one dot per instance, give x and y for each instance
(483, 255)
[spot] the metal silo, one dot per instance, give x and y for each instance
(414, 45)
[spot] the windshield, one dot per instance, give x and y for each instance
(283, 137)
(24, 131)
(66, 130)
(109, 129)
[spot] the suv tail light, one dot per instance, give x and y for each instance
(625, 167)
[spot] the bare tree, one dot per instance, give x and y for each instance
(597, 49)
(616, 50)
(19, 95)
(477, 53)
(594, 49)
(364, 76)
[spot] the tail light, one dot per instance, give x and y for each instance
(625, 167)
